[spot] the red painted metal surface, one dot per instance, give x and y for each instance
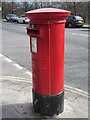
(48, 61)
(42, 16)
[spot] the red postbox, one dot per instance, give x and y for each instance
(46, 31)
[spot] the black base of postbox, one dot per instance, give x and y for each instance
(48, 105)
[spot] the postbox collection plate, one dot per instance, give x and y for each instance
(34, 44)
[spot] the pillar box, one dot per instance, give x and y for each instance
(46, 31)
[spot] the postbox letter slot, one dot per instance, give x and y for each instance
(32, 32)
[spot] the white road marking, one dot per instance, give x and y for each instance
(80, 34)
(1, 55)
(14, 77)
(0, 9)
(68, 88)
(76, 90)
(17, 25)
(81, 48)
(18, 79)
(7, 59)
(18, 66)
(29, 73)
(8, 23)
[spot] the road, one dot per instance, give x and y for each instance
(16, 46)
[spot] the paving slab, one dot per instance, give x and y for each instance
(17, 101)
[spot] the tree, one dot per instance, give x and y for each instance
(75, 7)
(25, 6)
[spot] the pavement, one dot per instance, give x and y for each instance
(17, 94)
(16, 73)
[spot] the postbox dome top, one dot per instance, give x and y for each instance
(47, 10)
(47, 13)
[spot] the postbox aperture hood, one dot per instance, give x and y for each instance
(47, 14)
